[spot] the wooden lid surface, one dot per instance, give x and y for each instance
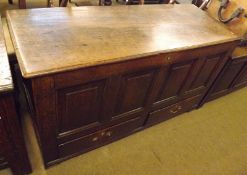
(6, 83)
(51, 40)
(239, 52)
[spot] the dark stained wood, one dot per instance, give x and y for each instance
(12, 147)
(44, 97)
(22, 4)
(80, 106)
(106, 86)
(173, 110)
(190, 77)
(99, 138)
(230, 73)
(80, 103)
(233, 77)
(3, 162)
(133, 93)
(234, 74)
(11, 137)
(241, 81)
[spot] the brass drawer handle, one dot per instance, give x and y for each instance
(175, 109)
(95, 139)
(102, 133)
(109, 133)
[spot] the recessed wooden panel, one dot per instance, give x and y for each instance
(242, 79)
(202, 79)
(228, 77)
(175, 80)
(80, 106)
(186, 79)
(133, 92)
(233, 77)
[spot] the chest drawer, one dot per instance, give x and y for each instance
(173, 110)
(100, 138)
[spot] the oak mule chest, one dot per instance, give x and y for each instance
(96, 74)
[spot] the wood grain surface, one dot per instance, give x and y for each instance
(60, 39)
(239, 52)
(5, 74)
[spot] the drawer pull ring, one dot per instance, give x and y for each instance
(109, 133)
(175, 109)
(95, 139)
(103, 133)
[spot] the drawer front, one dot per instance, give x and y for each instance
(173, 110)
(100, 138)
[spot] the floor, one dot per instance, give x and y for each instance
(209, 141)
